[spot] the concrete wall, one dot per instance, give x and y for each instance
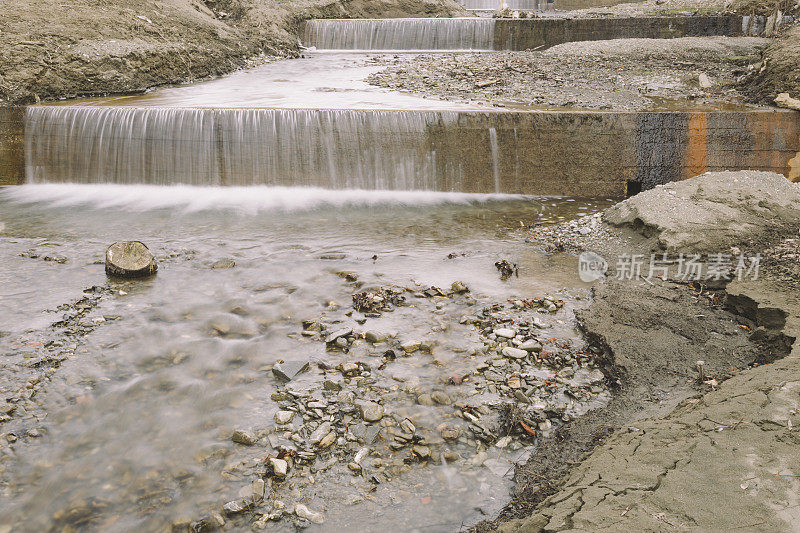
(525, 34)
(12, 162)
(589, 154)
(606, 154)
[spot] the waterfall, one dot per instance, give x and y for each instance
(335, 149)
(495, 158)
(491, 5)
(401, 34)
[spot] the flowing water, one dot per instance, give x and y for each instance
(267, 214)
(492, 5)
(132, 430)
(401, 34)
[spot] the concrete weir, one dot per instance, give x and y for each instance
(12, 160)
(506, 34)
(575, 153)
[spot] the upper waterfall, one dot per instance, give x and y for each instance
(401, 34)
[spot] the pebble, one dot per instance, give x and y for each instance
(330, 339)
(411, 346)
(284, 417)
(234, 507)
(425, 399)
(247, 438)
(223, 264)
(307, 514)
(531, 345)
(279, 467)
(515, 353)
(450, 433)
(371, 411)
(441, 398)
(288, 370)
(374, 337)
(505, 333)
(318, 434)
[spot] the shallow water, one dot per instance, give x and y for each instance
(320, 80)
(132, 428)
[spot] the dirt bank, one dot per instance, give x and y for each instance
(684, 451)
(779, 72)
(51, 49)
(621, 74)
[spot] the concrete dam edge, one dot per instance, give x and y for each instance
(572, 153)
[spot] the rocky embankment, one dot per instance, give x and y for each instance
(620, 74)
(51, 49)
(702, 428)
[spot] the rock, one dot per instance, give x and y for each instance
(410, 346)
(784, 100)
(234, 507)
(288, 370)
(506, 333)
(704, 81)
(253, 492)
(514, 353)
(374, 337)
(344, 332)
(459, 287)
(223, 264)
(321, 431)
(450, 433)
(710, 213)
(284, 417)
(279, 467)
(307, 514)
(246, 438)
(441, 398)
(531, 345)
(349, 369)
(425, 399)
(371, 411)
(130, 259)
(328, 440)
(423, 452)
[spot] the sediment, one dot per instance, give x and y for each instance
(51, 50)
(704, 445)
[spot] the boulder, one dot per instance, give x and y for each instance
(711, 213)
(130, 259)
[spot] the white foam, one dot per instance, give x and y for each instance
(246, 199)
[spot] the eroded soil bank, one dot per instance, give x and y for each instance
(700, 433)
(52, 49)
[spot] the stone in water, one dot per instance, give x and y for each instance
(130, 260)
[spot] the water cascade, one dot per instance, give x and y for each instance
(491, 5)
(335, 149)
(401, 34)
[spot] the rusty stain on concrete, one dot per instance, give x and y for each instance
(697, 146)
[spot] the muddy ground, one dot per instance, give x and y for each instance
(685, 449)
(620, 74)
(51, 50)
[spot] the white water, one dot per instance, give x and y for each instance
(336, 149)
(333, 149)
(400, 34)
(251, 200)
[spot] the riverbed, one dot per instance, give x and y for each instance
(126, 394)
